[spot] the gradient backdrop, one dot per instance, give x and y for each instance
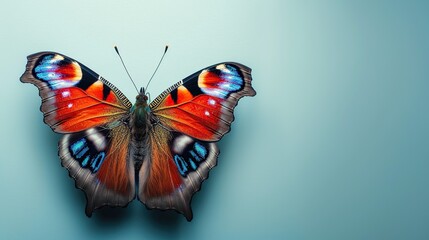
(333, 146)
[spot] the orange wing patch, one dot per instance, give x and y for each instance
(72, 110)
(161, 175)
(114, 172)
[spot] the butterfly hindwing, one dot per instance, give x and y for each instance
(202, 104)
(74, 98)
(174, 170)
(99, 161)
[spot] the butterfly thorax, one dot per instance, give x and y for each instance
(140, 117)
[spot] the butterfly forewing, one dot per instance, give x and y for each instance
(202, 104)
(74, 98)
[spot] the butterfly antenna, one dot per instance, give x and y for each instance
(165, 51)
(123, 64)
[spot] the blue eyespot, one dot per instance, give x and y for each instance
(181, 164)
(77, 146)
(53, 69)
(231, 81)
(85, 162)
(193, 165)
(195, 156)
(190, 159)
(201, 150)
(97, 161)
(81, 153)
(87, 155)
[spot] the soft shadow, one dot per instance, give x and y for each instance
(163, 222)
(163, 218)
(111, 216)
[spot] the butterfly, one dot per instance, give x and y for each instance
(158, 152)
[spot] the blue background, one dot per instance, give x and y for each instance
(333, 146)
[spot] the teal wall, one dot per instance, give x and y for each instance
(333, 146)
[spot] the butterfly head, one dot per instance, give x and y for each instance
(142, 97)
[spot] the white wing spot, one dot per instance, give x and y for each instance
(180, 143)
(221, 67)
(65, 94)
(70, 105)
(212, 102)
(96, 138)
(207, 113)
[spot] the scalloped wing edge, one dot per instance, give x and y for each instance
(184, 207)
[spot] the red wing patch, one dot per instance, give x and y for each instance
(204, 118)
(72, 110)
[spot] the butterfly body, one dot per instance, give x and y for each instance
(158, 152)
(140, 112)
